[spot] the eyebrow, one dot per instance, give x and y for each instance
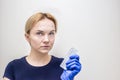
(43, 31)
(52, 30)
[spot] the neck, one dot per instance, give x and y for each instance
(38, 59)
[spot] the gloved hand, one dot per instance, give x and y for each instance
(73, 68)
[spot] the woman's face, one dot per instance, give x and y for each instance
(42, 36)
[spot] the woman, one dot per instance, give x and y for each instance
(40, 33)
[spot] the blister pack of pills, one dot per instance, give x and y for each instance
(66, 58)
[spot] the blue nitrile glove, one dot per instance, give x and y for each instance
(73, 68)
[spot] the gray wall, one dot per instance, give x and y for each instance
(90, 26)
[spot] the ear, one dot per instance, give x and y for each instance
(27, 36)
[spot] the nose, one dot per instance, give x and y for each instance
(46, 39)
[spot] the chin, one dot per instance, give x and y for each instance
(44, 51)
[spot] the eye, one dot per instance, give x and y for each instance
(40, 33)
(51, 33)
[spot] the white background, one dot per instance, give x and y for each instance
(90, 26)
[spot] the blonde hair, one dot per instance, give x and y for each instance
(36, 18)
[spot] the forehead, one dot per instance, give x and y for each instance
(44, 25)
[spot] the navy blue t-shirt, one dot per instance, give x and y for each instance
(20, 69)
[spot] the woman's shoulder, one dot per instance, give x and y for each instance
(16, 61)
(56, 59)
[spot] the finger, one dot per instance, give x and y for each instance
(75, 68)
(74, 56)
(73, 65)
(71, 60)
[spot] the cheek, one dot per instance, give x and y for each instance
(52, 41)
(34, 41)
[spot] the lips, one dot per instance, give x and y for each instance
(45, 46)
